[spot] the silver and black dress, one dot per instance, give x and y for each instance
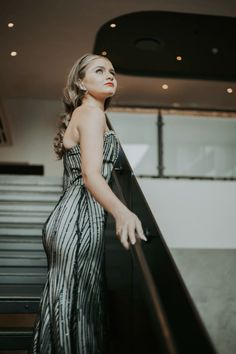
(71, 318)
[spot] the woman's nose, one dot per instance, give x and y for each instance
(109, 76)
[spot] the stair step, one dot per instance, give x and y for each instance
(23, 239)
(13, 230)
(18, 305)
(15, 339)
(24, 262)
(29, 188)
(11, 245)
(18, 208)
(16, 219)
(25, 204)
(29, 197)
(20, 254)
(23, 270)
(18, 292)
(28, 180)
(15, 331)
(23, 279)
(27, 225)
(6, 216)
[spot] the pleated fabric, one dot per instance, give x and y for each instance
(72, 316)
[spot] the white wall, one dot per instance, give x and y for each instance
(32, 127)
(193, 214)
(190, 213)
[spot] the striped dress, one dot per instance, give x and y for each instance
(72, 316)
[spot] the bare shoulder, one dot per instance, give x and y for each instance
(88, 116)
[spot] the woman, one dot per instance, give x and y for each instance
(71, 317)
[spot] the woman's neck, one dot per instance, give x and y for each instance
(92, 102)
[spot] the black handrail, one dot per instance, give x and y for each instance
(177, 323)
(137, 252)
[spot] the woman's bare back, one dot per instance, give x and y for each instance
(71, 136)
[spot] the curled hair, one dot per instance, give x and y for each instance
(72, 98)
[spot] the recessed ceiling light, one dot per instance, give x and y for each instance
(214, 50)
(165, 87)
(112, 25)
(13, 54)
(179, 58)
(148, 44)
(10, 24)
(104, 53)
(229, 90)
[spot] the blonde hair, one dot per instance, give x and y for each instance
(72, 97)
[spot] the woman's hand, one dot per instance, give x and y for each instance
(127, 223)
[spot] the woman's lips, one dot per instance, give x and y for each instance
(109, 84)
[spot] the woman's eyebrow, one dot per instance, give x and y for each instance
(100, 66)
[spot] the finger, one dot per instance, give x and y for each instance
(140, 230)
(143, 237)
(126, 246)
(124, 239)
(132, 235)
(118, 233)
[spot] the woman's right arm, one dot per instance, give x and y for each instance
(91, 127)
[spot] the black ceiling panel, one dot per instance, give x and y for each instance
(147, 44)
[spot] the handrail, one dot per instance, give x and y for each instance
(167, 295)
(170, 346)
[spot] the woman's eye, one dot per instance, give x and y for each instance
(98, 70)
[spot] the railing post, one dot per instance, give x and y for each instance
(160, 124)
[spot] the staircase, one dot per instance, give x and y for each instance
(25, 203)
(150, 309)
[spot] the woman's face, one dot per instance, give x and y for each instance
(100, 79)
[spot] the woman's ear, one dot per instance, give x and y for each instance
(81, 85)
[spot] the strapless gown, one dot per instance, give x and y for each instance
(72, 314)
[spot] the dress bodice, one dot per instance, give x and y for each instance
(72, 160)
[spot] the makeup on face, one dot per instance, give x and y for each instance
(100, 74)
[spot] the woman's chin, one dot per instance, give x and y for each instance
(109, 94)
(103, 95)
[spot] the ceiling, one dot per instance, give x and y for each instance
(50, 35)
